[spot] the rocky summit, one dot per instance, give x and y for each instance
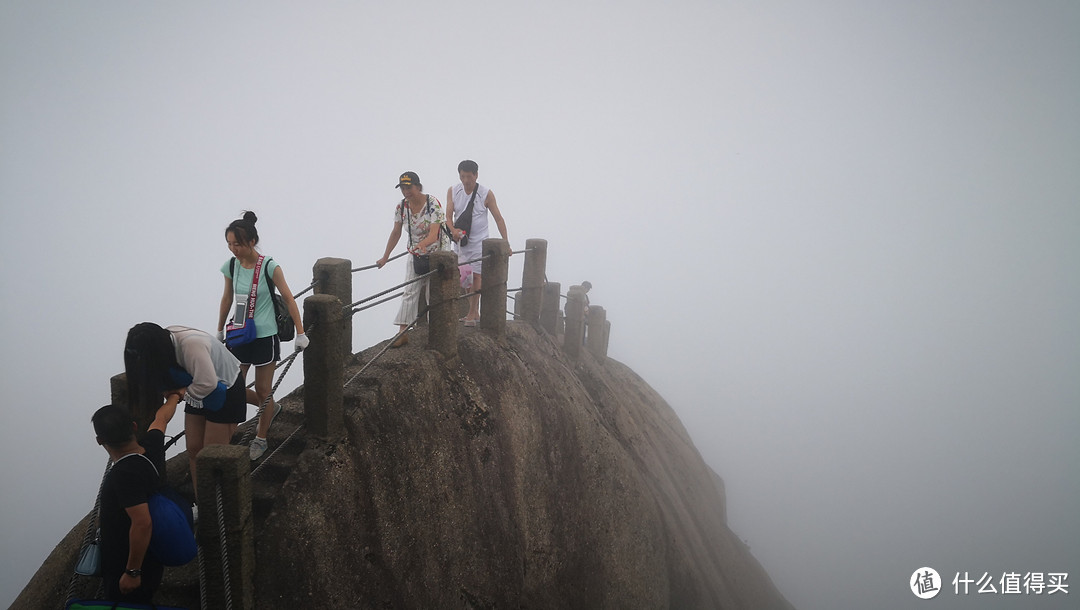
(515, 478)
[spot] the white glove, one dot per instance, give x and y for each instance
(221, 335)
(301, 342)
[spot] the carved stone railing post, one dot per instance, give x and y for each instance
(324, 367)
(493, 289)
(118, 395)
(333, 276)
(595, 337)
(531, 297)
(442, 317)
(575, 321)
(224, 474)
(550, 307)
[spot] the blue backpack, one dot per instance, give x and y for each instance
(172, 540)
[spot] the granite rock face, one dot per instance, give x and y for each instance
(518, 479)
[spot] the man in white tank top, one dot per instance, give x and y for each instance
(457, 200)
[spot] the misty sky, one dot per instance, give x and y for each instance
(840, 238)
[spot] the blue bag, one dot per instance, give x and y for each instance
(235, 336)
(172, 539)
(242, 329)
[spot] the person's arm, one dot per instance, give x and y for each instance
(489, 203)
(395, 236)
(166, 411)
(290, 302)
(138, 541)
(226, 305)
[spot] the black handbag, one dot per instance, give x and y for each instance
(421, 263)
(465, 224)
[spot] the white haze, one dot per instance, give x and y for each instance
(840, 238)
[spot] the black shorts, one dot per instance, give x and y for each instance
(234, 411)
(259, 352)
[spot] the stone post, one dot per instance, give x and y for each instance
(118, 395)
(595, 338)
(442, 317)
(224, 482)
(324, 367)
(531, 296)
(493, 290)
(549, 309)
(607, 335)
(575, 321)
(333, 276)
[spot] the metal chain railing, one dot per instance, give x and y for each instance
(387, 346)
(223, 543)
(271, 455)
(224, 546)
(202, 579)
(301, 293)
(392, 258)
(389, 290)
(379, 302)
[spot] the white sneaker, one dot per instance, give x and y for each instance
(257, 448)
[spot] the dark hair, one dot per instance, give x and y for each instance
(113, 425)
(244, 228)
(148, 355)
(468, 166)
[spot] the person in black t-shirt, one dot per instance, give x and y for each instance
(129, 572)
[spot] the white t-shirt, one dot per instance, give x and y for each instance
(479, 230)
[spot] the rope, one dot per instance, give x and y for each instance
(276, 449)
(475, 260)
(386, 347)
(202, 578)
(467, 295)
(522, 251)
(389, 290)
(380, 302)
(299, 294)
(91, 528)
(392, 258)
(224, 547)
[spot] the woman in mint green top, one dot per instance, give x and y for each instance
(264, 352)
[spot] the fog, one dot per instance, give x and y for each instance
(840, 238)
